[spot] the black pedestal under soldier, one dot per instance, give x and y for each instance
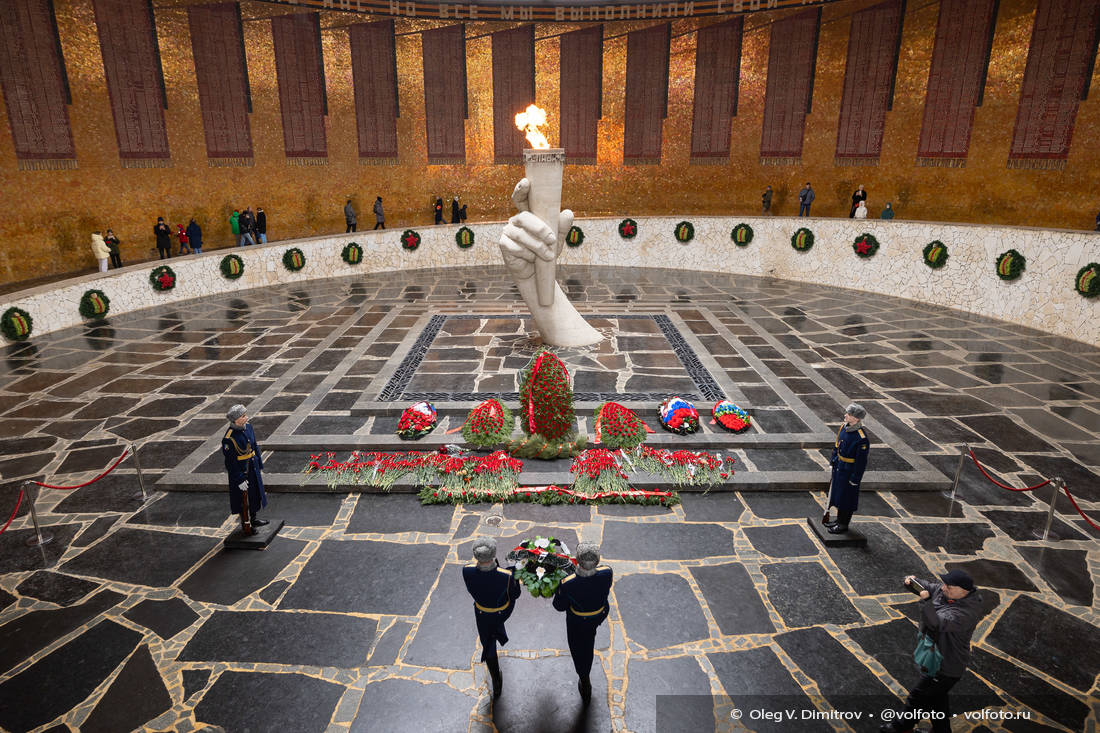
(495, 590)
(849, 461)
(583, 598)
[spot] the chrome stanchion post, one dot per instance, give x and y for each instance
(1057, 483)
(958, 472)
(137, 466)
(40, 538)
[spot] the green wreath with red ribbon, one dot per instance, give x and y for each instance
(1010, 265)
(684, 232)
(294, 259)
(16, 324)
(865, 245)
(162, 278)
(574, 237)
(741, 235)
(352, 253)
(935, 254)
(488, 424)
(802, 240)
(628, 229)
(464, 238)
(618, 427)
(546, 411)
(94, 304)
(410, 240)
(1087, 282)
(232, 267)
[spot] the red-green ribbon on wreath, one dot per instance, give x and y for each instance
(162, 278)
(628, 229)
(410, 240)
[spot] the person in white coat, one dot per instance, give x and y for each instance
(100, 250)
(861, 211)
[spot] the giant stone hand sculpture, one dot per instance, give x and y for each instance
(530, 247)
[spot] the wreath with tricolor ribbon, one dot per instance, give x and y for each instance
(94, 304)
(679, 416)
(684, 232)
(294, 259)
(935, 254)
(1010, 265)
(410, 240)
(741, 235)
(416, 421)
(16, 324)
(464, 238)
(628, 229)
(1087, 282)
(162, 278)
(802, 240)
(730, 416)
(575, 236)
(352, 253)
(865, 245)
(232, 267)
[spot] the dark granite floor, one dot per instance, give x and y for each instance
(355, 618)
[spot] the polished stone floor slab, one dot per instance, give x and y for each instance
(665, 541)
(787, 540)
(755, 679)
(669, 695)
(136, 695)
(64, 590)
(124, 555)
(712, 507)
(1062, 645)
(733, 599)
(275, 702)
(637, 597)
(805, 595)
(542, 697)
(435, 644)
(879, 567)
(34, 630)
(164, 618)
(375, 514)
(227, 576)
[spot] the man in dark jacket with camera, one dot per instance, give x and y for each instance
(948, 613)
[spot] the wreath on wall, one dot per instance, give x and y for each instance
(865, 245)
(684, 232)
(352, 253)
(16, 324)
(464, 238)
(94, 304)
(410, 240)
(162, 278)
(628, 229)
(1010, 265)
(935, 254)
(741, 235)
(1087, 282)
(802, 240)
(575, 236)
(232, 267)
(294, 259)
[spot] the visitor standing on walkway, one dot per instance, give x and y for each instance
(244, 464)
(349, 217)
(861, 211)
(194, 235)
(164, 238)
(247, 224)
(766, 202)
(805, 198)
(261, 225)
(100, 251)
(849, 461)
(888, 212)
(235, 225)
(857, 198)
(185, 241)
(948, 615)
(379, 214)
(583, 598)
(438, 208)
(456, 213)
(494, 590)
(113, 244)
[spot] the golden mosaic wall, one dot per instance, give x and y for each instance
(48, 214)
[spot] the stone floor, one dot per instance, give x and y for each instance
(355, 617)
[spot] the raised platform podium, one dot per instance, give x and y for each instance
(851, 538)
(238, 540)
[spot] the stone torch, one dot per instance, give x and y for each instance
(543, 166)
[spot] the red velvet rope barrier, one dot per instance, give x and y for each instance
(97, 478)
(998, 483)
(13, 512)
(1074, 502)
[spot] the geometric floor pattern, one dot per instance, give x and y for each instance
(355, 618)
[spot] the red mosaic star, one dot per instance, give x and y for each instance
(863, 246)
(410, 240)
(166, 281)
(628, 228)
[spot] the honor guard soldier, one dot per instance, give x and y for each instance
(243, 463)
(849, 461)
(494, 590)
(583, 598)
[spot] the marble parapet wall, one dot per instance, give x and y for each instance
(1042, 298)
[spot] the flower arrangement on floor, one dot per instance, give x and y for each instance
(541, 565)
(294, 259)
(730, 416)
(416, 421)
(865, 245)
(1087, 282)
(16, 324)
(628, 229)
(546, 410)
(935, 254)
(1010, 265)
(464, 238)
(575, 236)
(232, 267)
(683, 467)
(94, 304)
(684, 232)
(488, 424)
(618, 427)
(352, 253)
(162, 278)
(598, 470)
(802, 240)
(741, 235)
(410, 240)
(453, 477)
(678, 416)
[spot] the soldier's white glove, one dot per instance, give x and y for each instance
(243, 486)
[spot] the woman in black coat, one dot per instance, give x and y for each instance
(439, 210)
(164, 238)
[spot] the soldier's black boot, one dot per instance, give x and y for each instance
(257, 522)
(841, 524)
(585, 688)
(494, 675)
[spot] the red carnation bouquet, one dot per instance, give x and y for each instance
(618, 427)
(488, 424)
(416, 421)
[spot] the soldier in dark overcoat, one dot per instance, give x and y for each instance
(243, 463)
(494, 590)
(849, 461)
(583, 598)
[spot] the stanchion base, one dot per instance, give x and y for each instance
(33, 540)
(259, 541)
(851, 538)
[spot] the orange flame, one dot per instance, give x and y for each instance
(529, 121)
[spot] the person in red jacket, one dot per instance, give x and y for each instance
(184, 240)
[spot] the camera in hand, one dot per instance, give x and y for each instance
(914, 587)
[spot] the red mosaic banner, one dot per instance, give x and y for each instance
(1062, 49)
(300, 70)
(873, 46)
(581, 106)
(513, 89)
(36, 90)
(445, 110)
(646, 94)
(374, 74)
(960, 59)
(217, 45)
(717, 80)
(135, 81)
(792, 57)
